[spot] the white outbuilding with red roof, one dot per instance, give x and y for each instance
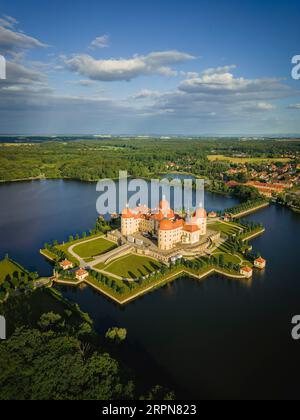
(81, 274)
(66, 265)
(247, 272)
(260, 263)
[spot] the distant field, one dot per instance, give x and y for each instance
(215, 158)
(16, 144)
(93, 248)
(133, 266)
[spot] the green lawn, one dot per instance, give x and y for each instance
(8, 267)
(64, 247)
(229, 258)
(50, 254)
(93, 248)
(132, 266)
(225, 228)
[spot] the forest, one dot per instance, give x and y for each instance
(90, 159)
(53, 353)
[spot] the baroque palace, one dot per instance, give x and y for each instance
(170, 228)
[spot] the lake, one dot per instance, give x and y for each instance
(210, 339)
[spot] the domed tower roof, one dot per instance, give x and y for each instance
(164, 205)
(166, 225)
(201, 213)
(127, 213)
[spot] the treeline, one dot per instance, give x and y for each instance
(291, 200)
(214, 261)
(158, 278)
(250, 226)
(58, 253)
(245, 193)
(17, 280)
(90, 160)
(126, 287)
(56, 355)
(247, 206)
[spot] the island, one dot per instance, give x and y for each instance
(153, 247)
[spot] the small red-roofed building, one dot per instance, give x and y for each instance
(247, 272)
(66, 265)
(212, 215)
(260, 263)
(81, 274)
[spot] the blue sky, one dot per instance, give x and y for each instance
(149, 67)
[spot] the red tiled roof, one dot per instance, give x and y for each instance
(169, 225)
(81, 272)
(247, 269)
(159, 216)
(260, 260)
(65, 263)
(191, 228)
(127, 214)
(268, 186)
(142, 209)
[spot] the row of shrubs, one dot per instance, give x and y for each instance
(140, 283)
(19, 281)
(243, 207)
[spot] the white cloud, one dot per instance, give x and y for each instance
(188, 74)
(100, 42)
(127, 69)
(221, 95)
(226, 85)
(83, 83)
(260, 106)
(218, 70)
(12, 41)
(211, 99)
(146, 94)
(8, 21)
(19, 74)
(265, 106)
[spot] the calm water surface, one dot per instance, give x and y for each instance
(212, 339)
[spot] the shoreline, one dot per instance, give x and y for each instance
(48, 257)
(253, 210)
(42, 178)
(254, 235)
(165, 281)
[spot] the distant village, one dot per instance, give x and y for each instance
(270, 179)
(277, 180)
